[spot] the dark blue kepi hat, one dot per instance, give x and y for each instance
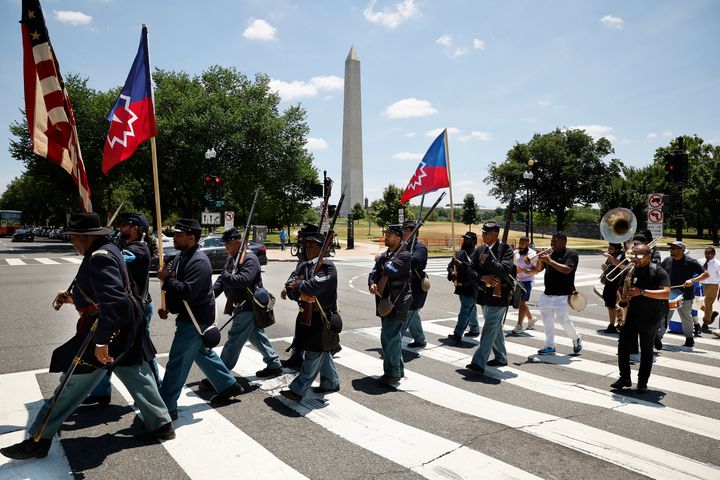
(396, 229)
(188, 225)
(316, 237)
(129, 218)
(231, 234)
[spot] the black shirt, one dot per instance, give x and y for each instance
(558, 283)
(649, 277)
(682, 270)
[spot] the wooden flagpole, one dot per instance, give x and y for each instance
(452, 207)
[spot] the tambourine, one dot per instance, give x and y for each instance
(577, 301)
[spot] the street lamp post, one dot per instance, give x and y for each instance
(528, 176)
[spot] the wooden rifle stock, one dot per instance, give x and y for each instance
(240, 257)
(307, 306)
(382, 283)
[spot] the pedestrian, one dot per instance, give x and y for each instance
(318, 339)
(526, 267)
(682, 270)
(460, 273)
(188, 288)
(560, 264)
(100, 295)
(418, 283)
(393, 302)
(135, 249)
(492, 265)
(239, 286)
(283, 238)
(710, 287)
(613, 257)
(649, 285)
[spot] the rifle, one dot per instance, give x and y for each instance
(384, 279)
(307, 301)
(240, 256)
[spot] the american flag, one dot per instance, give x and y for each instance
(47, 104)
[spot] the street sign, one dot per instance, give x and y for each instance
(401, 215)
(655, 200)
(229, 220)
(210, 218)
(655, 215)
(219, 203)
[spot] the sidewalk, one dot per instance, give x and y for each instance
(362, 250)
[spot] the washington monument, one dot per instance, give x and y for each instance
(352, 158)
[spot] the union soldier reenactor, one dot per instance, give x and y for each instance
(317, 338)
(419, 256)
(119, 342)
(465, 289)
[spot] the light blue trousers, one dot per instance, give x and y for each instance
(243, 329)
(413, 322)
(467, 316)
(391, 341)
(492, 337)
(316, 362)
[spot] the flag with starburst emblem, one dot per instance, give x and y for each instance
(132, 118)
(432, 173)
(50, 118)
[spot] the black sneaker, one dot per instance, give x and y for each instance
(472, 334)
(611, 329)
(705, 328)
(230, 392)
(293, 363)
(696, 330)
(658, 343)
(103, 400)
(455, 339)
(641, 388)
(28, 449)
(621, 383)
(268, 372)
(689, 342)
(165, 432)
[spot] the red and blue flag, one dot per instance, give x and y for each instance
(432, 173)
(132, 118)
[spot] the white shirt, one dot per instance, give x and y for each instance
(520, 263)
(713, 268)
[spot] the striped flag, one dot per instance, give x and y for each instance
(47, 105)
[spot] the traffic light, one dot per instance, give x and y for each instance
(682, 167)
(672, 167)
(677, 203)
(218, 187)
(667, 207)
(331, 210)
(316, 189)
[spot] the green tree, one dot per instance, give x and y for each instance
(568, 167)
(385, 209)
(357, 212)
(469, 211)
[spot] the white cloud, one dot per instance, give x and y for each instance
(407, 156)
(437, 131)
(410, 134)
(259, 29)
(458, 52)
(73, 18)
(410, 108)
(544, 103)
(652, 135)
(482, 136)
(394, 17)
(298, 88)
(611, 22)
(666, 133)
(316, 144)
(446, 40)
(478, 44)
(596, 131)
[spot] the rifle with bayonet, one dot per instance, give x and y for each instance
(240, 256)
(307, 301)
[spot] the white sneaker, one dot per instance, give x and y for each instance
(518, 330)
(531, 324)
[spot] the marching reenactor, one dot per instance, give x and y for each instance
(112, 330)
(188, 288)
(459, 272)
(316, 334)
(240, 286)
(392, 302)
(418, 262)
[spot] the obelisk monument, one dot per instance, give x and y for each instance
(352, 158)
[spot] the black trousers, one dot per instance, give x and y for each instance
(644, 325)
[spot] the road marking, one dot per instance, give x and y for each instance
(630, 454)
(15, 261)
(46, 261)
(72, 259)
(207, 445)
(705, 426)
(422, 452)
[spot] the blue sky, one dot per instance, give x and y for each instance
(492, 72)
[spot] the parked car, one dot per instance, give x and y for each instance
(23, 236)
(215, 250)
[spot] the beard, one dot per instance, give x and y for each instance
(124, 236)
(524, 251)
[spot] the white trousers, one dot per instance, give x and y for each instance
(555, 308)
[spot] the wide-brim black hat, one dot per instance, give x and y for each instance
(86, 224)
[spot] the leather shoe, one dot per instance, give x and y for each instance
(621, 383)
(417, 345)
(641, 388)
(165, 432)
(269, 372)
(230, 392)
(496, 363)
(28, 449)
(689, 342)
(388, 380)
(205, 385)
(658, 343)
(705, 328)
(455, 339)
(290, 395)
(103, 400)
(293, 363)
(472, 334)
(475, 368)
(326, 390)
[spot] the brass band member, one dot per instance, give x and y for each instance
(613, 256)
(645, 285)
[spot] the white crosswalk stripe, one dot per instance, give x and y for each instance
(212, 443)
(30, 261)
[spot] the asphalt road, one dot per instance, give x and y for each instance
(551, 417)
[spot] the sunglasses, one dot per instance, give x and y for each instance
(639, 256)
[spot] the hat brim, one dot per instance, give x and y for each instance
(675, 245)
(96, 232)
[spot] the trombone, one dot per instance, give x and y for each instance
(626, 263)
(529, 260)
